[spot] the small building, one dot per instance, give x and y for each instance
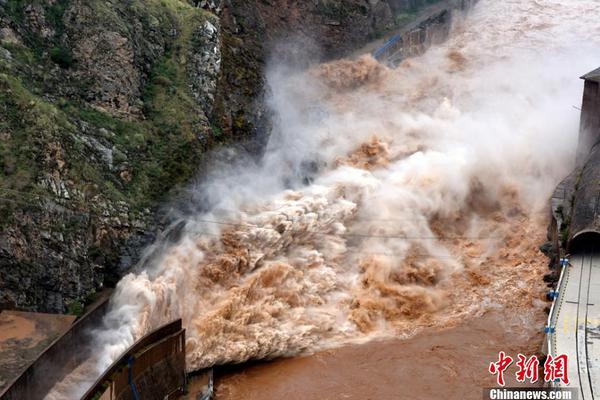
(589, 132)
(585, 217)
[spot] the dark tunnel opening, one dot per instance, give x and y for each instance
(585, 242)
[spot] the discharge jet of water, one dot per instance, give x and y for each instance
(388, 200)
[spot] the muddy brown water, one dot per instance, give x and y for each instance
(450, 363)
(23, 337)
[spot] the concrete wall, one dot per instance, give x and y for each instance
(59, 359)
(589, 134)
(585, 214)
(152, 369)
(414, 40)
(417, 40)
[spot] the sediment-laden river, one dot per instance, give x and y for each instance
(389, 202)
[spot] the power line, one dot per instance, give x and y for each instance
(26, 194)
(240, 224)
(346, 251)
(18, 201)
(64, 210)
(359, 235)
(384, 253)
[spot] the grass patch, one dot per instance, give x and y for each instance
(29, 123)
(75, 308)
(54, 15)
(30, 127)
(340, 10)
(564, 232)
(16, 9)
(405, 18)
(159, 152)
(62, 57)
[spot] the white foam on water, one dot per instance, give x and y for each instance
(388, 201)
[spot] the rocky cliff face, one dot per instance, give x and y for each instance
(106, 106)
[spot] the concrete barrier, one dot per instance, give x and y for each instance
(57, 360)
(589, 131)
(153, 368)
(415, 39)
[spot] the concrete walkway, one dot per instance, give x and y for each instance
(577, 324)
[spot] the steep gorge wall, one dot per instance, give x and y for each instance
(107, 106)
(103, 105)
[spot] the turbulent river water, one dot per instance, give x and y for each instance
(388, 201)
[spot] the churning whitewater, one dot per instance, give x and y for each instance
(388, 200)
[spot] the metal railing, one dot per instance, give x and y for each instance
(386, 46)
(550, 328)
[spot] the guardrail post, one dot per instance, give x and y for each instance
(553, 294)
(134, 391)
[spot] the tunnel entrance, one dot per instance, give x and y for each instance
(585, 242)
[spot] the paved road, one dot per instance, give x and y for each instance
(577, 323)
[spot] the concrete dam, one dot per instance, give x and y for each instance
(574, 320)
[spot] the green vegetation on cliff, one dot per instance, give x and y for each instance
(157, 149)
(100, 118)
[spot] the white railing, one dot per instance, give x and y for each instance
(555, 308)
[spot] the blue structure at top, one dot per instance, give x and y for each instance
(386, 46)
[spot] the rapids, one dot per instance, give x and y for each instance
(388, 201)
